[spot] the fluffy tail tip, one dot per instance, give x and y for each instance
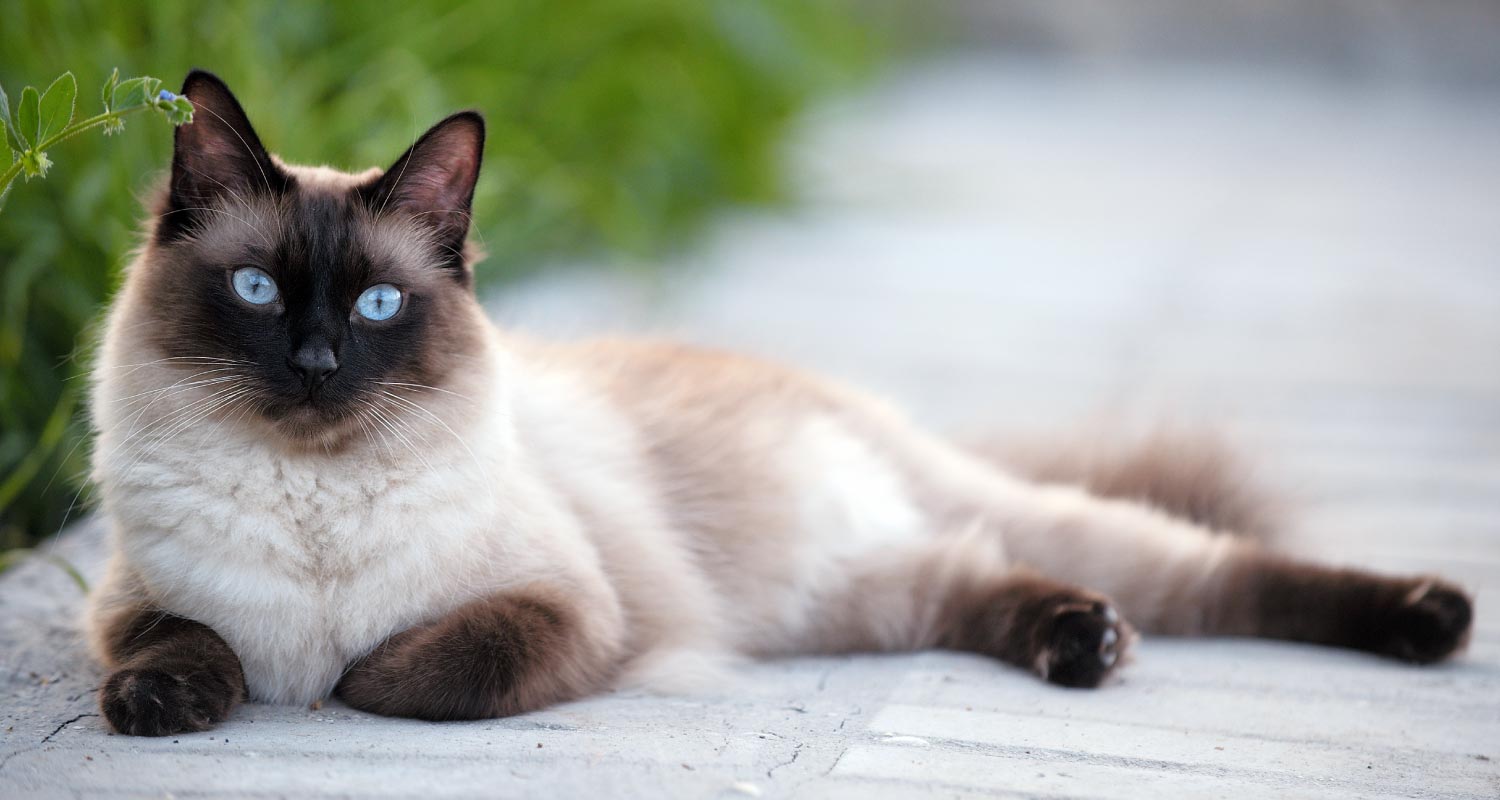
(1197, 475)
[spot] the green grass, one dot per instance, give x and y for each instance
(614, 126)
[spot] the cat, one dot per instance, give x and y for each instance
(326, 472)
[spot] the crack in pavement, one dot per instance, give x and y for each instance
(796, 754)
(4, 762)
(58, 729)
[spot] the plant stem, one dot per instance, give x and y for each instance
(9, 175)
(67, 133)
(92, 122)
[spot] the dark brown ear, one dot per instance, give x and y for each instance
(433, 183)
(216, 157)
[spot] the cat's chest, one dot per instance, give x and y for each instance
(315, 523)
(303, 566)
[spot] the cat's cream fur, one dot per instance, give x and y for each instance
(645, 511)
(698, 505)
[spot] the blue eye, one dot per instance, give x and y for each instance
(379, 302)
(254, 285)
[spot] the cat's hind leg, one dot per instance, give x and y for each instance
(956, 592)
(1174, 577)
(1421, 620)
(1067, 635)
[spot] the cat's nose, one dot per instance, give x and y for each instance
(314, 361)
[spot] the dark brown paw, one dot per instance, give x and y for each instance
(1084, 644)
(1431, 624)
(157, 702)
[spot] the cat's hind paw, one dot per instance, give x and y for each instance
(1431, 624)
(1085, 643)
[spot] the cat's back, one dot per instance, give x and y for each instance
(705, 421)
(653, 379)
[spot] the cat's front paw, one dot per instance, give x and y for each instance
(160, 702)
(1431, 623)
(1084, 643)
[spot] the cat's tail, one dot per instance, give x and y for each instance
(1194, 474)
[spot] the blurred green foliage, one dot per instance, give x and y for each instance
(614, 125)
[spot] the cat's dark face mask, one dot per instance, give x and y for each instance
(332, 295)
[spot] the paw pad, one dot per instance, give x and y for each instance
(1430, 625)
(1084, 644)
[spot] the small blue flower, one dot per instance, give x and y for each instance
(166, 96)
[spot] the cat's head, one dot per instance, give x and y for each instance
(321, 294)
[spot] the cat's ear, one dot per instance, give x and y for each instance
(217, 156)
(433, 182)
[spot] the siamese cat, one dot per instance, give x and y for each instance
(326, 472)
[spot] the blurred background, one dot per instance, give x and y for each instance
(615, 127)
(1281, 217)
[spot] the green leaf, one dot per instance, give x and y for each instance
(57, 106)
(107, 94)
(9, 125)
(28, 122)
(135, 93)
(5, 150)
